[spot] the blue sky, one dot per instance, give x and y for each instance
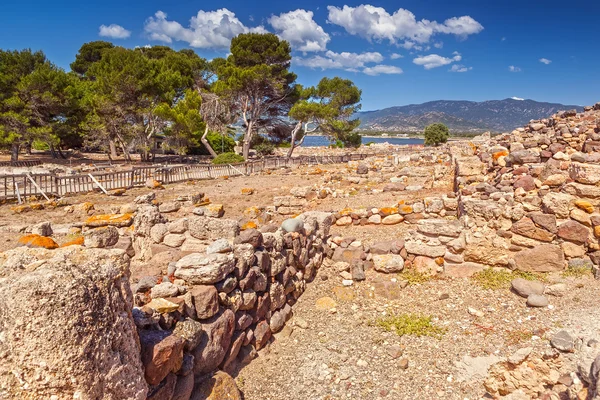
(397, 52)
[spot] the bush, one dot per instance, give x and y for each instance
(265, 149)
(351, 139)
(228, 158)
(411, 324)
(436, 134)
(219, 143)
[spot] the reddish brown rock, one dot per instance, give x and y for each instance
(162, 353)
(574, 232)
(213, 347)
(262, 334)
(526, 182)
(164, 390)
(526, 227)
(205, 300)
(184, 387)
(546, 221)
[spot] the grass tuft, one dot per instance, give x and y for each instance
(411, 324)
(414, 277)
(576, 272)
(500, 279)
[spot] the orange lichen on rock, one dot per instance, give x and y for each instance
(585, 205)
(346, 211)
(498, 154)
(118, 220)
(247, 191)
(249, 225)
(78, 241)
(385, 211)
(439, 261)
(405, 209)
(20, 209)
(37, 241)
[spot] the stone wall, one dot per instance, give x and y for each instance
(220, 303)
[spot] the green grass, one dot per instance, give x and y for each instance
(518, 336)
(577, 272)
(414, 277)
(411, 324)
(500, 279)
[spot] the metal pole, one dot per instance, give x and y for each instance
(98, 183)
(18, 193)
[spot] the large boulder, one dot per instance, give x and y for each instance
(206, 228)
(542, 258)
(213, 346)
(80, 341)
(202, 269)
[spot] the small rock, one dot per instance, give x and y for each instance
(520, 355)
(219, 246)
(524, 288)
(292, 225)
(403, 363)
(475, 312)
(563, 341)
(395, 351)
(300, 323)
(536, 300)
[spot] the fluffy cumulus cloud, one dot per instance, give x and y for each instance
(395, 56)
(299, 28)
(382, 69)
(460, 68)
(433, 60)
(114, 31)
(207, 29)
(376, 24)
(545, 61)
(344, 60)
(512, 68)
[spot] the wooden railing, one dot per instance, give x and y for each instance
(23, 186)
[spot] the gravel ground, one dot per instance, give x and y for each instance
(343, 355)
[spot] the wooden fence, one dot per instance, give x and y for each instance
(23, 186)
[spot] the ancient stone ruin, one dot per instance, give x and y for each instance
(73, 327)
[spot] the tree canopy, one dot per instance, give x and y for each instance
(435, 134)
(130, 101)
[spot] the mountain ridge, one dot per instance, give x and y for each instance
(460, 115)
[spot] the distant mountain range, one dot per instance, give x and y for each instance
(460, 116)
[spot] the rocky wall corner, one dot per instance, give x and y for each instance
(66, 328)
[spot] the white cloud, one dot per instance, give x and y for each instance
(299, 28)
(375, 23)
(345, 60)
(433, 60)
(512, 68)
(517, 98)
(460, 68)
(207, 29)
(438, 45)
(114, 31)
(382, 69)
(395, 56)
(545, 61)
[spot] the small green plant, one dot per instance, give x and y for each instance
(414, 277)
(411, 324)
(518, 336)
(369, 143)
(500, 279)
(228, 158)
(577, 272)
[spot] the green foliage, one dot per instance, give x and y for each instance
(411, 324)
(265, 149)
(495, 279)
(186, 124)
(413, 277)
(221, 143)
(577, 272)
(88, 54)
(228, 158)
(40, 145)
(436, 134)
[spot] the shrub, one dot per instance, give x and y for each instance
(228, 158)
(265, 149)
(436, 134)
(411, 324)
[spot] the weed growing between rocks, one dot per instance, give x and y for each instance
(500, 279)
(414, 277)
(411, 324)
(577, 272)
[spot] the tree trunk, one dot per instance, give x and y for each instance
(61, 153)
(52, 151)
(113, 148)
(213, 154)
(247, 140)
(293, 139)
(14, 154)
(28, 148)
